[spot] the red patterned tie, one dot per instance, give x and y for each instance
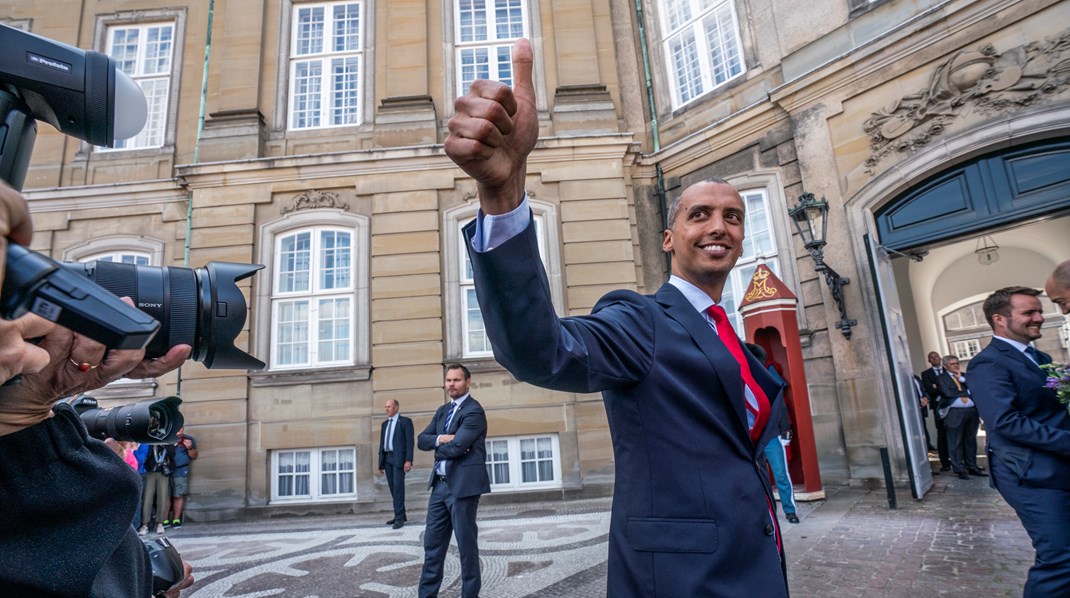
(731, 341)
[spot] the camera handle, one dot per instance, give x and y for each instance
(38, 284)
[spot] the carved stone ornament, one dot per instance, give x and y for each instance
(312, 200)
(984, 80)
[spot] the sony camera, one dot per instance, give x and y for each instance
(83, 94)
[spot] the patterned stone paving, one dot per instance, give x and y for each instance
(962, 540)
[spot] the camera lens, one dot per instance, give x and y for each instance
(152, 421)
(200, 307)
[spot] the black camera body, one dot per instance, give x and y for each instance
(167, 569)
(83, 94)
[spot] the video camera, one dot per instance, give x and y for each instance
(83, 93)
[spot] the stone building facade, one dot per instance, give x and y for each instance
(307, 137)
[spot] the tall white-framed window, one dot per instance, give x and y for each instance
(145, 52)
(313, 474)
(484, 31)
(466, 333)
(524, 462)
(702, 46)
(759, 245)
(326, 65)
(312, 305)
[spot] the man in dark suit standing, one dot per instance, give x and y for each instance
(395, 458)
(457, 434)
(960, 420)
(929, 383)
(688, 408)
(1028, 433)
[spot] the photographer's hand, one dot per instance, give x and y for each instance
(30, 402)
(186, 582)
(16, 355)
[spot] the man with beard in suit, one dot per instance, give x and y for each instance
(457, 434)
(1028, 433)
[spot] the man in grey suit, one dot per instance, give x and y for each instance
(457, 434)
(395, 458)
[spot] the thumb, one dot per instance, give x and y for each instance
(523, 88)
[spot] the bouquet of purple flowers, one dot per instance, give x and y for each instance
(1059, 381)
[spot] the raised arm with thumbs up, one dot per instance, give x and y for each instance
(492, 131)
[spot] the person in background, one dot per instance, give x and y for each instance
(395, 457)
(182, 454)
(961, 420)
(929, 380)
(776, 452)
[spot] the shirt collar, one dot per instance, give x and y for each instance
(458, 401)
(694, 295)
(1017, 345)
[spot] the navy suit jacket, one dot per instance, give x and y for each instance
(1028, 429)
(466, 454)
(402, 443)
(692, 496)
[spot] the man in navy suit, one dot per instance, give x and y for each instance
(1028, 433)
(395, 458)
(457, 434)
(688, 408)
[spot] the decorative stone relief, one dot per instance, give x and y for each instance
(312, 200)
(984, 80)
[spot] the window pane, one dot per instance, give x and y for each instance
(345, 483)
(476, 332)
(508, 19)
(158, 50)
(295, 256)
(346, 28)
(475, 64)
(309, 31)
(335, 260)
(472, 16)
(124, 49)
(528, 472)
(546, 471)
(306, 97)
(291, 332)
(685, 66)
(345, 87)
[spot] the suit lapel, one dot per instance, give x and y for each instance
(724, 365)
(1012, 353)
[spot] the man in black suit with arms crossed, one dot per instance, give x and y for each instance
(1028, 434)
(395, 457)
(457, 434)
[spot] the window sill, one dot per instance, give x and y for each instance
(319, 376)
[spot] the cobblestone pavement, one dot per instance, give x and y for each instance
(962, 540)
